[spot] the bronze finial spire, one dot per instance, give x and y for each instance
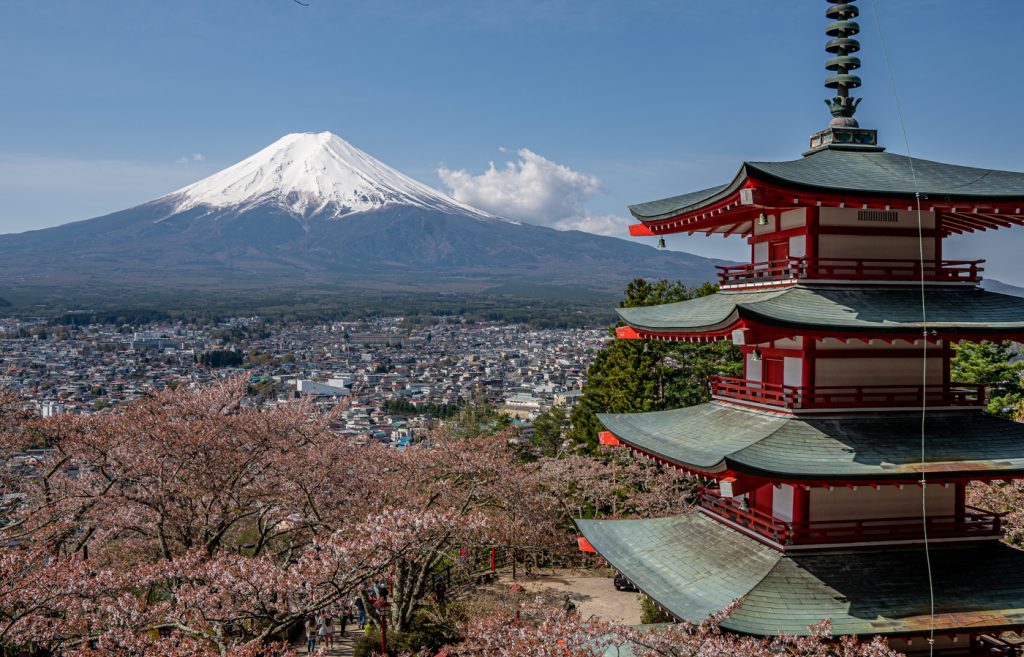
(842, 45)
(843, 131)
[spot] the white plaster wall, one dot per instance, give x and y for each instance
(753, 369)
(782, 502)
(848, 217)
(761, 252)
(874, 371)
(797, 246)
(788, 343)
(793, 218)
(792, 371)
(873, 247)
(885, 502)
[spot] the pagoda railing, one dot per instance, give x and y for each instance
(849, 269)
(825, 397)
(972, 523)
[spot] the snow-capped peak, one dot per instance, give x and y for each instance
(310, 173)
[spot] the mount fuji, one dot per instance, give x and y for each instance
(312, 210)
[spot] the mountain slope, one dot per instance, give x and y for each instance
(312, 209)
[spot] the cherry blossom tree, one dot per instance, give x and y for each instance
(194, 517)
(546, 631)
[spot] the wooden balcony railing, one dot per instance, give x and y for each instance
(969, 395)
(865, 269)
(972, 523)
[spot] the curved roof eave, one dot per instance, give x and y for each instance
(718, 437)
(856, 173)
(672, 206)
(695, 567)
(849, 310)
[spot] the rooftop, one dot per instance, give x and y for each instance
(716, 437)
(693, 566)
(956, 310)
(858, 172)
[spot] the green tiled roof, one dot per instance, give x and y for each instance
(855, 171)
(873, 309)
(691, 571)
(715, 437)
(693, 566)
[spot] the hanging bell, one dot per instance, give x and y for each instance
(661, 242)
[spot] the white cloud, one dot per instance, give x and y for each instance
(599, 224)
(535, 190)
(187, 159)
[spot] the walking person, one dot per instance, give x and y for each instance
(329, 622)
(321, 629)
(361, 610)
(310, 636)
(343, 615)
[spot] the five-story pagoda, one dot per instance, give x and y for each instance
(821, 496)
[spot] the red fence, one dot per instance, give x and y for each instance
(823, 397)
(972, 523)
(864, 269)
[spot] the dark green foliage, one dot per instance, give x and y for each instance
(651, 613)
(479, 418)
(541, 308)
(115, 316)
(222, 358)
(4, 303)
(264, 389)
(638, 376)
(549, 430)
(404, 408)
(990, 362)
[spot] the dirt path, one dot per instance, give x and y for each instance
(593, 593)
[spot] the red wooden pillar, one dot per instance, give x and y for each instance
(492, 560)
(807, 365)
(801, 504)
(761, 499)
(812, 219)
(801, 510)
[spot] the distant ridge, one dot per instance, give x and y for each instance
(312, 211)
(992, 285)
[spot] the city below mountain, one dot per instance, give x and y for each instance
(312, 210)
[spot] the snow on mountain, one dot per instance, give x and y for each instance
(314, 173)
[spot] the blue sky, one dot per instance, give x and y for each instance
(109, 103)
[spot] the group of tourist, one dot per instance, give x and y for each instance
(320, 629)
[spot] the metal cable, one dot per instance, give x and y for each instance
(924, 329)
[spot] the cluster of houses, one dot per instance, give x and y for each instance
(394, 378)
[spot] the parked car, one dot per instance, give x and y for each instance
(623, 584)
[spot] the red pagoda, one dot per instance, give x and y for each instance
(846, 317)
